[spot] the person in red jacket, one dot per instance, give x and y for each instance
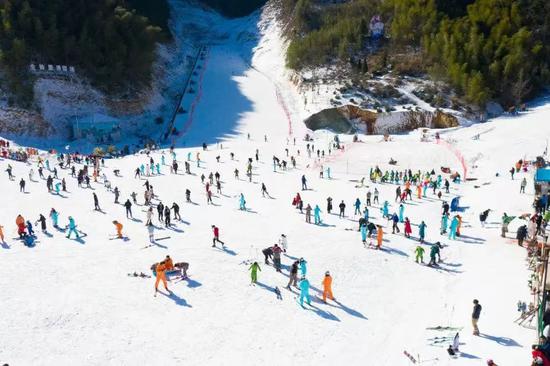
(216, 237)
(538, 354)
(408, 229)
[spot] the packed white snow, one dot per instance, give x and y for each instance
(72, 302)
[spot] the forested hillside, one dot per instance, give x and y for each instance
(108, 41)
(485, 49)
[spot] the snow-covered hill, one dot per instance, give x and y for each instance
(69, 301)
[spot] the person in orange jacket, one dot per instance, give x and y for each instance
(327, 287)
(160, 270)
(379, 236)
(118, 226)
(2, 233)
(168, 263)
(20, 222)
(419, 191)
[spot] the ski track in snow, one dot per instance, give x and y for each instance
(66, 302)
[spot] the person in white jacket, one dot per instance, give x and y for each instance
(283, 242)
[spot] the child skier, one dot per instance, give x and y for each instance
(254, 271)
(327, 287)
(419, 251)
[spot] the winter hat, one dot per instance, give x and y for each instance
(327, 273)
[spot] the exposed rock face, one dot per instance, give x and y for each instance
(350, 118)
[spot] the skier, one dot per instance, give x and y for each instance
(419, 251)
(364, 233)
(268, 253)
(303, 267)
(128, 206)
(117, 194)
(327, 287)
(521, 234)
(422, 231)
(151, 231)
(523, 185)
(188, 195)
(277, 257)
(385, 210)
(160, 271)
(149, 216)
(357, 207)
(22, 185)
(216, 238)
(304, 183)
(342, 207)
(453, 228)
(72, 228)
(118, 227)
(264, 190)
(483, 217)
(395, 221)
(283, 242)
(369, 194)
(29, 228)
(96, 202)
(317, 215)
(375, 195)
(408, 229)
(304, 291)
(167, 222)
(242, 203)
(475, 316)
(444, 223)
(434, 252)
(254, 268)
(329, 204)
(160, 211)
(54, 215)
(176, 209)
(42, 221)
(401, 213)
(308, 213)
(293, 277)
(379, 236)
(2, 234)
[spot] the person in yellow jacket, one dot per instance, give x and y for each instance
(327, 287)
(160, 270)
(118, 226)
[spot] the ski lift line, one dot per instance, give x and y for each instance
(174, 114)
(196, 101)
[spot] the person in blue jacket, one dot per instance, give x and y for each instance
(357, 207)
(444, 223)
(453, 228)
(29, 228)
(72, 228)
(242, 203)
(422, 231)
(304, 291)
(364, 233)
(303, 268)
(55, 217)
(317, 215)
(395, 221)
(401, 213)
(366, 214)
(385, 209)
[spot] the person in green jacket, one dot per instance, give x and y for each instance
(434, 251)
(419, 254)
(254, 271)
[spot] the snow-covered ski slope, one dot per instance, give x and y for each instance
(68, 302)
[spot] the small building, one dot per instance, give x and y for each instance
(542, 181)
(97, 128)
